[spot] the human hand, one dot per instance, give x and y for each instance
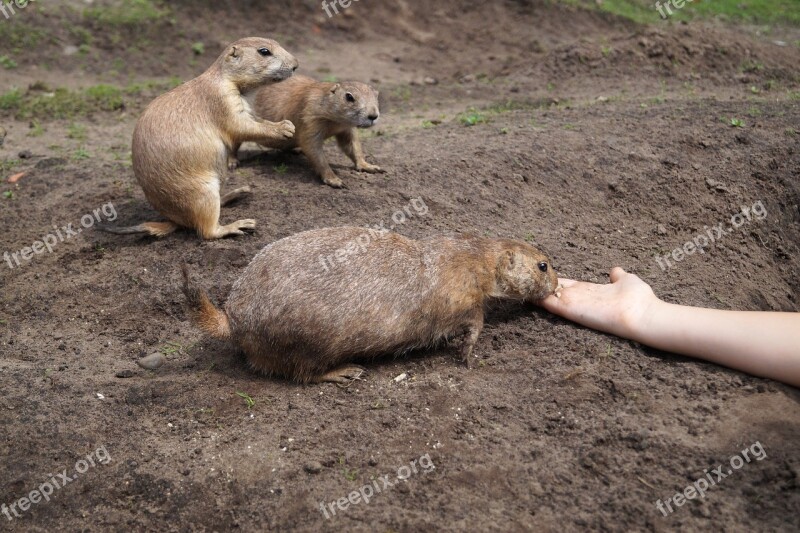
(621, 307)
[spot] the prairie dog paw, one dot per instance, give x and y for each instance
(334, 181)
(367, 167)
(284, 129)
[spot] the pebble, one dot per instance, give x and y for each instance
(313, 467)
(123, 374)
(154, 361)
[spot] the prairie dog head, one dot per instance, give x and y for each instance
(255, 61)
(355, 103)
(524, 272)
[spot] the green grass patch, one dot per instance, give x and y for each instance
(63, 103)
(17, 35)
(472, 117)
(41, 102)
(11, 100)
(779, 12)
(248, 400)
(7, 63)
(128, 13)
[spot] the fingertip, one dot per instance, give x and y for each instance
(566, 282)
(616, 273)
(549, 302)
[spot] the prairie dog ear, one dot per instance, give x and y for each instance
(335, 88)
(235, 52)
(506, 261)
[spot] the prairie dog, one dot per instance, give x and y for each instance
(320, 110)
(386, 295)
(183, 139)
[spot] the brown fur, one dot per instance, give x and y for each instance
(298, 315)
(183, 139)
(319, 111)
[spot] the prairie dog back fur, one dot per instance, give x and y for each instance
(183, 139)
(297, 319)
(321, 110)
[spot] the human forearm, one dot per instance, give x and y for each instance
(761, 343)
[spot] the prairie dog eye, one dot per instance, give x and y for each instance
(349, 97)
(264, 52)
(543, 266)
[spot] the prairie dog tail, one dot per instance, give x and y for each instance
(203, 313)
(154, 229)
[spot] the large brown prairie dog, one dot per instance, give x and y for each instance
(386, 294)
(321, 110)
(183, 139)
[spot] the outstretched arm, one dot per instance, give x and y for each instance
(764, 344)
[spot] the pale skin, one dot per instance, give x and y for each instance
(765, 344)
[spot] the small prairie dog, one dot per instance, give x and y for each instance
(320, 110)
(183, 139)
(386, 295)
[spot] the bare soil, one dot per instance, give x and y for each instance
(602, 142)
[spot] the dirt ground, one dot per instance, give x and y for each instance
(602, 142)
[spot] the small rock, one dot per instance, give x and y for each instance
(661, 229)
(124, 374)
(25, 154)
(372, 461)
(430, 81)
(602, 98)
(70, 50)
(313, 467)
(154, 361)
(469, 78)
(716, 185)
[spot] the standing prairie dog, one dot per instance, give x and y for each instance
(385, 294)
(183, 139)
(320, 110)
